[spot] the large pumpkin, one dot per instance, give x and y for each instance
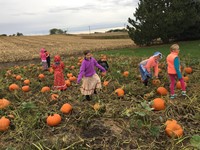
(158, 104)
(53, 120)
(4, 124)
(162, 91)
(4, 103)
(174, 130)
(66, 108)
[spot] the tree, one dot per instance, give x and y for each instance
(57, 31)
(165, 19)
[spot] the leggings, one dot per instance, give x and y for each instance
(172, 79)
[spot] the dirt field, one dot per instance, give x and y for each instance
(14, 49)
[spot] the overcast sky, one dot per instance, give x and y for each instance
(39, 16)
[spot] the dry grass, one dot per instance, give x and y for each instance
(28, 47)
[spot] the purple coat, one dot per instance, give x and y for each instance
(87, 68)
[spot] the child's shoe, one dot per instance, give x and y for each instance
(183, 93)
(173, 96)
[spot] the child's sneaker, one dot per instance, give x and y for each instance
(183, 93)
(173, 96)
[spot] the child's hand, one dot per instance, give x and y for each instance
(103, 73)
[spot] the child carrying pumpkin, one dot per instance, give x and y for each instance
(59, 81)
(90, 79)
(146, 65)
(173, 70)
(43, 59)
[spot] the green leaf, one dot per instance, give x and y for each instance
(154, 130)
(141, 113)
(195, 141)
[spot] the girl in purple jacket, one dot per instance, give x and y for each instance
(90, 79)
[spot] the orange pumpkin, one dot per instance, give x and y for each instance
(13, 87)
(174, 130)
(120, 92)
(125, 73)
(188, 70)
(25, 88)
(178, 85)
(69, 75)
(96, 106)
(4, 103)
(72, 67)
(67, 82)
(51, 70)
(27, 81)
(54, 96)
(4, 124)
(73, 78)
(105, 83)
(158, 104)
(41, 76)
(45, 89)
(162, 91)
(156, 82)
(18, 77)
(53, 120)
(66, 108)
(186, 78)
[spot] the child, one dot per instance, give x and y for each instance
(173, 70)
(103, 62)
(91, 80)
(48, 58)
(43, 59)
(146, 65)
(59, 81)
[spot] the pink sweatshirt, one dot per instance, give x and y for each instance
(149, 63)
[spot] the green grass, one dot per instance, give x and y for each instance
(191, 48)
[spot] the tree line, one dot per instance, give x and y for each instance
(165, 20)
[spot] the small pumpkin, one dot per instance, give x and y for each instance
(45, 89)
(188, 70)
(174, 130)
(66, 108)
(18, 77)
(69, 75)
(4, 123)
(162, 91)
(13, 87)
(186, 78)
(53, 120)
(96, 106)
(27, 81)
(72, 67)
(156, 82)
(41, 76)
(120, 92)
(51, 70)
(67, 82)
(158, 104)
(178, 85)
(125, 73)
(105, 83)
(25, 88)
(73, 78)
(4, 103)
(54, 96)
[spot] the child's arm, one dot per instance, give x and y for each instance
(99, 66)
(156, 70)
(176, 65)
(81, 73)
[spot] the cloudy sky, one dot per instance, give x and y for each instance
(39, 16)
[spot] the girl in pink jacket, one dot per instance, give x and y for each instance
(43, 59)
(146, 65)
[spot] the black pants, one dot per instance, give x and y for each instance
(48, 62)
